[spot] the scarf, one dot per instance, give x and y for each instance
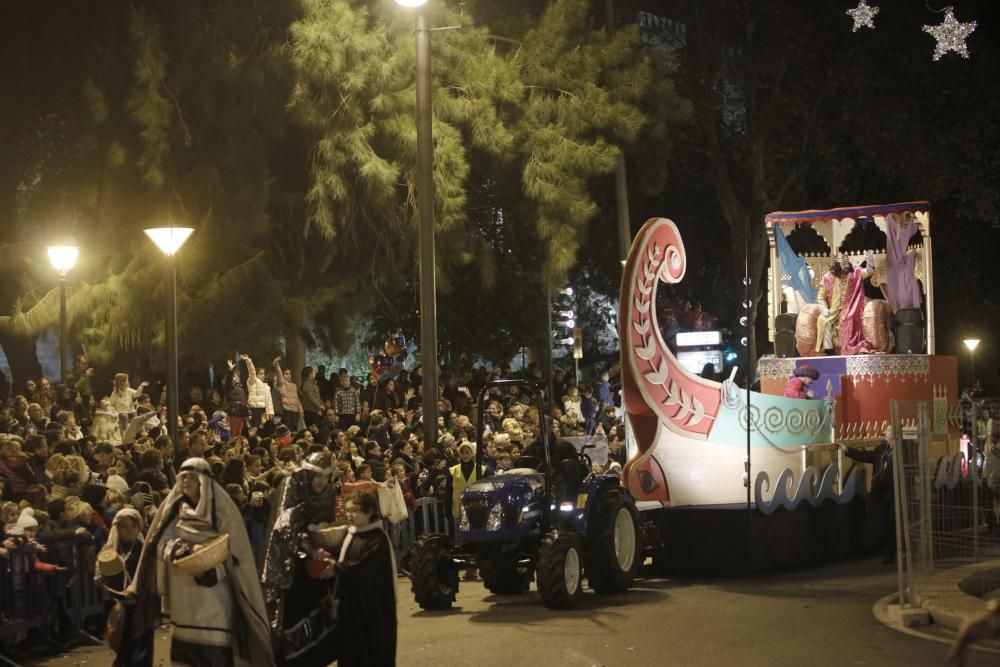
(114, 542)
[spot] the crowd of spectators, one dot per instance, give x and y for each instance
(72, 456)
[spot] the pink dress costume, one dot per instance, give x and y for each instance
(844, 297)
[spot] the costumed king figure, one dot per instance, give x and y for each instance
(298, 580)
(842, 295)
(215, 605)
(798, 384)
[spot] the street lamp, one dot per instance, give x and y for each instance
(169, 240)
(425, 207)
(972, 344)
(62, 258)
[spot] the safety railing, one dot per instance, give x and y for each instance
(947, 501)
(430, 516)
(51, 609)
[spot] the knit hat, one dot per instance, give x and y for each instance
(27, 519)
(117, 483)
(806, 371)
(467, 445)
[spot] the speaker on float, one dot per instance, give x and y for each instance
(784, 335)
(910, 330)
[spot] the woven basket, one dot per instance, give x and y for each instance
(330, 538)
(109, 563)
(203, 560)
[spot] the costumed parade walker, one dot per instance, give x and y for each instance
(851, 314)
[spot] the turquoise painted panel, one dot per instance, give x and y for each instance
(775, 421)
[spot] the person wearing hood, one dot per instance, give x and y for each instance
(217, 617)
(123, 547)
(299, 597)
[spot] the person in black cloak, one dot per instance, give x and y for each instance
(298, 583)
(366, 592)
(125, 541)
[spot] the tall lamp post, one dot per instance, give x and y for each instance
(169, 240)
(62, 258)
(425, 208)
(972, 344)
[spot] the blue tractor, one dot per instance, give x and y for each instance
(550, 518)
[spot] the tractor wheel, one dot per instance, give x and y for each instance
(560, 570)
(435, 578)
(613, 550)
(506, 581)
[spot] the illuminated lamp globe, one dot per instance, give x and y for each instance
(971, 343)
(411, 3)
(169, 239)
(63, 258)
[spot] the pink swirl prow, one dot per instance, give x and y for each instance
(657, 389)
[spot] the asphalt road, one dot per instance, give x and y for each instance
(811, 617)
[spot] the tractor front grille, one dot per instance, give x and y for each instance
(477, 509)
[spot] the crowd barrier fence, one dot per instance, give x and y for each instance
(51, 609)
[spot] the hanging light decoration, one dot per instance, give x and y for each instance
(863, 15)
(950, 35)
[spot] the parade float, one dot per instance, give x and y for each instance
(732, 478)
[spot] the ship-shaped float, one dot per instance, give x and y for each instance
(737, 479)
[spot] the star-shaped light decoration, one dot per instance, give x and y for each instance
(950, 35)
(863, 15)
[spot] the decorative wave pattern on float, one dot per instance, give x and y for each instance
(811, 488)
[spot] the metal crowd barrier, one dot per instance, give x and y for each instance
(33, 604)
(430, 516)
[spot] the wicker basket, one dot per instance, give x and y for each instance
(203, 560)
(330, 538)
(109, 563)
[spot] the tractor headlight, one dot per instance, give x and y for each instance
(495, 518)
(463, 519)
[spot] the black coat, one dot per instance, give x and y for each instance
(366, 630)
(881, 459)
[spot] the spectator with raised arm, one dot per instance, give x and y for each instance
(289, 395)
(258, 394)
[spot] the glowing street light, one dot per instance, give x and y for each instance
(972, 344)
(425, 211)
(169, 240)
(63, 259)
